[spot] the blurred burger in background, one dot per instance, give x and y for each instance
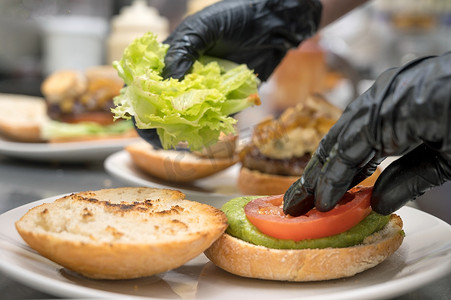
(79, 105)
(280, 148)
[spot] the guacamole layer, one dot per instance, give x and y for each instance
(240, 227)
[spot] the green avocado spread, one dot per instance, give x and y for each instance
(240, 227)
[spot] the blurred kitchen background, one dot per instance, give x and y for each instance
(38, 37)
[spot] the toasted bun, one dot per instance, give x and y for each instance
(121, 233)
(22, 117)
(175, 166)
(63, 84)
(66, 84)
(251, 182)
(248, 260)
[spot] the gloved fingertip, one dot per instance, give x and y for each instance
(149, 135)
(385, 203)
(177, 64)
(174, 71)
(326, 197)
(297, 200)
(405, 179)
(333, 183)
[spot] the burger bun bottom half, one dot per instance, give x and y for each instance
(248, 260)
(176, 166)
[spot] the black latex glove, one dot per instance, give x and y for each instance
(149, 135)
(407, 113)
(254, 32)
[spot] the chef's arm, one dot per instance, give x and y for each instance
(334, 9)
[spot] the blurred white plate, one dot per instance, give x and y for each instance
(424, 256)
(63, 152)
(214, 190)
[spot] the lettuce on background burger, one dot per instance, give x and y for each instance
(194, 110)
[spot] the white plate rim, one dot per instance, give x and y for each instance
(122, 157)
(59, 151)
(382, 290)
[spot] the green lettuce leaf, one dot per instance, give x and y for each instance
(55, 129)
(194, 110)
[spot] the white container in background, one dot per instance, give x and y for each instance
(132, 22)
(73, 42)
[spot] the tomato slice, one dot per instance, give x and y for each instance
(101, 118)
(267, 215)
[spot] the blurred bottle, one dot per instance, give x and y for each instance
(132, 22)
(73, 42)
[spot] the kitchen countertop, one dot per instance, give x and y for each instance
(23, 181)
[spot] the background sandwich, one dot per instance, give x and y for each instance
(280, 148)
(79, 105)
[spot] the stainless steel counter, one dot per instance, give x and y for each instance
(23, 182)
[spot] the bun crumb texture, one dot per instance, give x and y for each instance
(121, 233)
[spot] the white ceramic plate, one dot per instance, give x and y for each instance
(215, 189)
(424, 256)
(64, 152)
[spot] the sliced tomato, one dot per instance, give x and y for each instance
(267, 215)
(102, 118)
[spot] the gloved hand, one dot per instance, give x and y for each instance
(254, 32)
(407, 113)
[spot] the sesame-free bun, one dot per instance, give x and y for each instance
(176, 166)
(96, 81)
(63, 84)
(22, 117)
(121, 233)
(252, 182)
(248, 260)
